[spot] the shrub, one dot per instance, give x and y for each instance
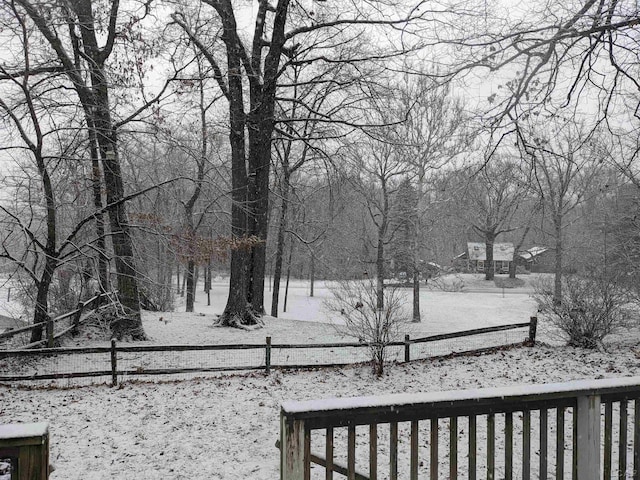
(593, 306)
(356, 303)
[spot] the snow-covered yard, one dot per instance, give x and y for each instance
(225, 427)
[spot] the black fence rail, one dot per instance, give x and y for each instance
(117, 363)
(55, 327)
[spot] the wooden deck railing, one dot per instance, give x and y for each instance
(590, 420)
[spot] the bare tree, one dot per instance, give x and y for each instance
(434, 133)
(282, 35)
(565, 160)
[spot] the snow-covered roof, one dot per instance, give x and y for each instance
(501, 251)
(532, 252)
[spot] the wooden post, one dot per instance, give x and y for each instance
(407, 348)
(8, 294)
(291, 448)
(114, 364)
(533, 327)
(267, 357)
(28, 446)
(587, 444)
(76, 318)
(50, 342)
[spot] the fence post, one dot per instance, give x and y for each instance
(292, 461)
(407, 348)
(533, 327)
(49, 326)
(114, 364)
(587, 445)
(76, 318)
(267, 356)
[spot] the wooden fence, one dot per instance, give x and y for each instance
(582, 422)
(74, 317)
(117, 355)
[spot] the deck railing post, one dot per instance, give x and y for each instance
(587, 443)
(292, 448)
(533, 327)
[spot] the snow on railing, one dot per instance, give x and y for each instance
(513, 421)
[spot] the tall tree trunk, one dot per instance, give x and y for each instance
(128, 325)
(101, 242)
(286, 288)
(312, 272)
(380, 271)
(41, 312)
(277, 273)
(191, 289)
(557, 280)
(489, 268)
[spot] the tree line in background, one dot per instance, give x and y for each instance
(147, 144)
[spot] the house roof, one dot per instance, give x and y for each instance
(532, 252)
(501, 251)
(9, 322)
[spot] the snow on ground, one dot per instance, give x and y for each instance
(226, 428)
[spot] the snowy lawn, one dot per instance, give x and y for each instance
(225, 428)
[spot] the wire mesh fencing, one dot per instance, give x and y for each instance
(123, 363)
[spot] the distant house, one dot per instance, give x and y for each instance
(475, 258)
(8, 323)
(537, 259)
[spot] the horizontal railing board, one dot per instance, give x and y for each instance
(387, 408)
(53, 376)
(162, 371)
(468, 333)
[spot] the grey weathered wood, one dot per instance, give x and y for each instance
(29, 444)
(472, 447)
(560, 443)
(351, 452)
(414, 451)
(574, 453)
(622, 443)
(466, 333)
(373, 451)
(329, 454)
(608, 437)
(393, 451)
(543, 444)
(588, 445)
(267, 356)
(307, 455)
(292, 448)
(526, 445)
(434, 449)
(508, 446)
(636, 439)
(491, 446)
(453, 448)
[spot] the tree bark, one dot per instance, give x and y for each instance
(557, 280)
(277, 273)
(489, 241)
(191, 289)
